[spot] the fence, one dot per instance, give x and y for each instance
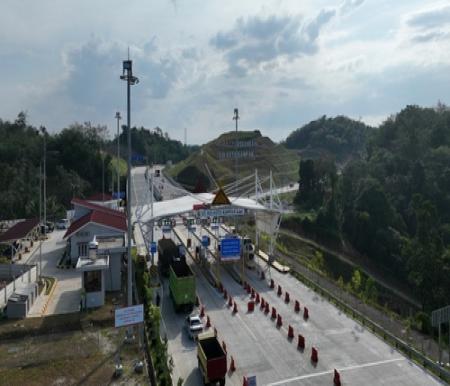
(20, 274)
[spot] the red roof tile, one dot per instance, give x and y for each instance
(101, 218)
(97, 207)
(20, 230)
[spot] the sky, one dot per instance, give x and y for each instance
(282, 63)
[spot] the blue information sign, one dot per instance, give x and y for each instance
(120, 195)
(230, 248)
(205, 240)
(152, 247)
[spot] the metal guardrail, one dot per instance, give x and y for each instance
(414, 355)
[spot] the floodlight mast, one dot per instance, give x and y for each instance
(236, 118)
(127, 75)
(118, 117)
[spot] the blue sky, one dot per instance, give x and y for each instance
(281, 62)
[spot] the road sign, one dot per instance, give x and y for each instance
(442, 315)
(222, 212)
(230, 248)
(205, 241)
(137, 157)
(214, 226)
(251, 380)
(116, 196)
(166, 228)
(129, 315)
(152, 247)
(220, 198)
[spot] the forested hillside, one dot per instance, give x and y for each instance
(156, 146)
(341, 138)
(76, 157)
(393, 205)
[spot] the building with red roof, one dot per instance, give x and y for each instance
(96, 246)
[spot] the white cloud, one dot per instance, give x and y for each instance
(280, 62)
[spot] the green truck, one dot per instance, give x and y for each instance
(212, 359)
(182, 285)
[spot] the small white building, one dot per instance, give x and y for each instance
(96, 244)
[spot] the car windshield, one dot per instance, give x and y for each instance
(195, 322)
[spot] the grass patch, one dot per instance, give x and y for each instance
(49, 284)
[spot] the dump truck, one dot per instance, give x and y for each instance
(212, 359)
(181, 285)
(167, 251)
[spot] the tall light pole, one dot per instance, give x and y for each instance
(118, 117)
(40, 220)
(131, 80)
(44, 133)
(236, 118)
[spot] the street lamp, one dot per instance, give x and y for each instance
(127, 75)
(236, 118)
(44, 133)
(118, 117)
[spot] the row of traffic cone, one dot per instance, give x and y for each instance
(287, 299)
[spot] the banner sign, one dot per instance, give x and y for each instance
(129, 315)
(221, 212)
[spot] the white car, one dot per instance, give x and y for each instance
(194, 326)
(62, 224)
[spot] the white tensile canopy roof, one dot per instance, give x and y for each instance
(185, 204)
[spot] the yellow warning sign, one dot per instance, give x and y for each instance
(221, 198)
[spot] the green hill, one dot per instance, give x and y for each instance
(254, 152)
(340, 137)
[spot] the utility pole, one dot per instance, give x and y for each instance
(236, 118)
(44, 132)
(40, 220)
(127, 75)
(103, 175)
(118, 117)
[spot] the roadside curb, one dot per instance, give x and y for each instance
(49, 296)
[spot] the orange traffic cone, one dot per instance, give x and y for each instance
(297, 306)
(290, 332)
(202, 311)
(208, 322)
(305, 313)
(245, 382)
(279, 321)
(314, 355)
(230, 301)
(279, 292)
(286, 297)
(235, 310)
(337, 378)
(301, 342)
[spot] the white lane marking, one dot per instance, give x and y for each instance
(306, 376)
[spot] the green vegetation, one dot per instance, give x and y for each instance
(341, 138)
(76, 157)
(392, 205)
(193, 173)
(162, 364)
(155, 146)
